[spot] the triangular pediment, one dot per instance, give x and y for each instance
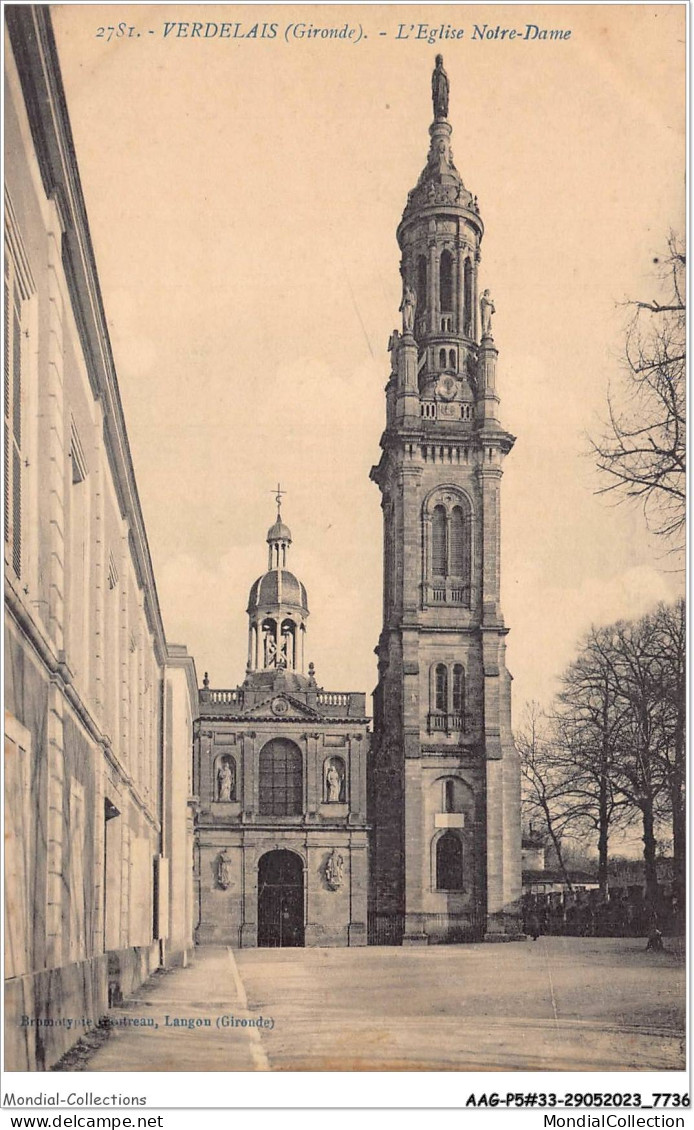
(281, 706)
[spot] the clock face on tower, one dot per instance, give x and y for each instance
(447, 387)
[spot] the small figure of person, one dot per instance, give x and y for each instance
(487, 308)
(407, 308)
(393, 343)
(225, 782)
(224, 870)
(333, 781)
(270, 650)
(655, 940)
(534, 927)
(334, 870)
(439, 89)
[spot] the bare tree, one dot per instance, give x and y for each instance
(589, 725)
(642, 452)
(631, 658)
(549, 797)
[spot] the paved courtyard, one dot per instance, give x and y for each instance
(553, 1005)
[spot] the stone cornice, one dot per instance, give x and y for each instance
(460, 432)
(282, 720)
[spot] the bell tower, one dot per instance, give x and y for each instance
(445, 781)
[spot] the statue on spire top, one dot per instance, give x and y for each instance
(439, 89)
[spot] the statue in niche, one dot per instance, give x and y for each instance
(224, 870)
(225, 780)
(439, 89)
(487, 308)
(333, 783)
(334, 870)
(407, 308)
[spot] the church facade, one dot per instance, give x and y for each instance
(444, 777)
(280, 775)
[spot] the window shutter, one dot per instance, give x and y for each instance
(457, 542)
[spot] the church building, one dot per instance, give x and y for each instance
(280, 775)
(444, 777)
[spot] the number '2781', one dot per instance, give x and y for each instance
(120, 31)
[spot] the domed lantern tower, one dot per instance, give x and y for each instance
(444, 774)
(277, 610)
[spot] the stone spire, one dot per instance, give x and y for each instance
(440, 182)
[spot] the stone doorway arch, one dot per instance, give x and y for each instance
(280, 899)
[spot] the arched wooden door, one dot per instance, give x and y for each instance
(280, 899)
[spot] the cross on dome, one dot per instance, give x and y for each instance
(278, 498)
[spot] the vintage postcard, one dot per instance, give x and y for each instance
(344, 543)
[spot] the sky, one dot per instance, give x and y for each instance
(243, 195)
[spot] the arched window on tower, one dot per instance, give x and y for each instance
(442, 358)
(447, 543)
(467, 297)
(446, 282)
(451, 361)
(280, 779)
(421, 285)
(441, 688)
(449, 863)
(438, 541)
(458, 691)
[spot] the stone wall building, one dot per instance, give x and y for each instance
(280, 773)
(444, 784)
(99, 711)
